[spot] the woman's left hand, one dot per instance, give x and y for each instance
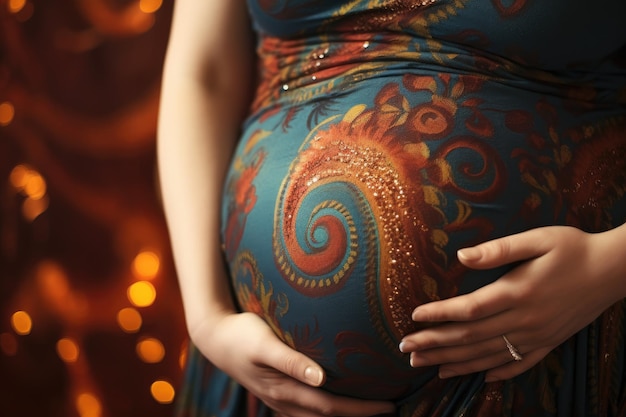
(566, 280)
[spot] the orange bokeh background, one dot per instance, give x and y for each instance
(90, 315)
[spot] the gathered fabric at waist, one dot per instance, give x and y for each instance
(294, 71)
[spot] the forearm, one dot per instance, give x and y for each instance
(191, 168)
(204, 96)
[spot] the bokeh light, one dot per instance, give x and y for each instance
(21, 9)
(88, 405)
(81, 219)
(15, 6)
(28, 181)
(21, 322)
(146, 265)
(35, 186)
(162, 391)
(150, 6)
(182, 358)
(19, 176)
(31, 209)
(31, 184)
(129, 320)
(53, 281)
(141, 294)
(7, 112)
(150, 350)
(68, 350)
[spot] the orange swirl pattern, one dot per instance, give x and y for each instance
(321, 266)
(351, 157)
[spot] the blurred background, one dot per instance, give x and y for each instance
(90, 315)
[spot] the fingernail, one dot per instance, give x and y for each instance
(313, 376)
(469, 254)
(446, 373)
(406, 347)
(416, 315)
(418, 361)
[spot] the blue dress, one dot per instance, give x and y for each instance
(385, 135)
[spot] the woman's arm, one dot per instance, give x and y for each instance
(205, 93)
(567, 278)
(207, 83)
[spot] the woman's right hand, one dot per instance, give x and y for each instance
(244, 346)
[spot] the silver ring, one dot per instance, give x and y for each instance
(517, 356)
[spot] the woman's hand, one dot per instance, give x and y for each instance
(287, 381)
(566, 280)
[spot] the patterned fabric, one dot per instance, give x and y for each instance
(384, 136)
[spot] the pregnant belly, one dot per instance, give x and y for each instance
(336, 244)
(335, 235)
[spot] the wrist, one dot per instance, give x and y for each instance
(611, 260)
(203, 323)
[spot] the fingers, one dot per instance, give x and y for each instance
(460, 334)
(496, 297)
(293, 363)
(294, 399)
(491, 348)
(468, 333)
(444, 336)
(246, 348)
(491, 354)
(307, 401)
(500, 365)
(512, 369)
(506, 250)
(484, 302)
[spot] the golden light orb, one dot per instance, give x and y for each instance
(88, 405)
(150, 350)
(31, 209)
(68, 350)
(129, 320)
(146, 265)
(150, 6)
(7, 111)
(162, 391)
(28, 181)
(35, 186)
(141, 294)
(19, 176)
(21, 322)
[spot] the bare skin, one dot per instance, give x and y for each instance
(566, 280)
(207, 84)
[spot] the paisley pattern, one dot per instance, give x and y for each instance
(384, 136)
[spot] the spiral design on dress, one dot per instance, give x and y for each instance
(470, 167)
(346, 208)
(316, 242)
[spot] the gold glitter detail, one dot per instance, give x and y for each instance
(390, 236)
(398, 263)
(493, 395)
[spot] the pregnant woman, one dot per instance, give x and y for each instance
(399, 207)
